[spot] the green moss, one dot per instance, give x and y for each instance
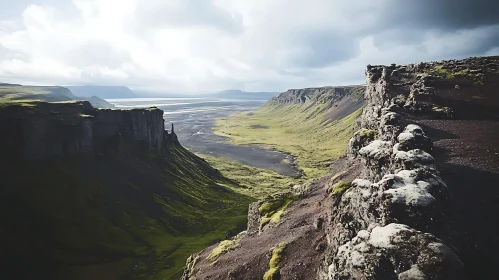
(446, 74)
(272, 210)
(368, 134)
(477, 79)
(275, 262)
(224, 247)
(340, 187)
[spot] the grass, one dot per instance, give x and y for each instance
(368, 134)
(149, 214)
(255, 182)
(297, 129)
(275, 262)
(478, 79)
(225, 246)
(272, 210)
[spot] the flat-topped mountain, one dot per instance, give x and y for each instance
(16, 93)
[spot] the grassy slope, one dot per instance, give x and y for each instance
(255, 182)
(140, 216)
(293, 129)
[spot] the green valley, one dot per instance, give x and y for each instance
(313, 125)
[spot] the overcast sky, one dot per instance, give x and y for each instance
(258, 45)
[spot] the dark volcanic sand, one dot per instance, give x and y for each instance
(467, 155)
(194, 131)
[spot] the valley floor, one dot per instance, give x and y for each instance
(295, 129)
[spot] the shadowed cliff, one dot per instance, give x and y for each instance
(104, 194)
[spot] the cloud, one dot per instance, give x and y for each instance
(207, 45)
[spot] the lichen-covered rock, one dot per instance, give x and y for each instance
(190, 264)
(395, 251)
(360, 139)
(377, 159)
(413, 137)
(393, 222)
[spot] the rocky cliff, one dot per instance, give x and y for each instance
(104, 194)
(38, 130)
(391, 208)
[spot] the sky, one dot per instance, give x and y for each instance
(209, 45)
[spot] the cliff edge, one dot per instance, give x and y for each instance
(393, 207)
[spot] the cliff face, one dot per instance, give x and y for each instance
(84, 188)
(40, 130)
(411, 197)
(394, 222)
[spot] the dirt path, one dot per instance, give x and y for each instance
(306, 243)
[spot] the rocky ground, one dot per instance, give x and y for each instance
(467, 156)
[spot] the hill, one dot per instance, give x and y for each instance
(104, 92)
(312, 124)
(239, 94)
(15, 93)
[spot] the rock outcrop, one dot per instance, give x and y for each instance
(393, 223)
(37, 130)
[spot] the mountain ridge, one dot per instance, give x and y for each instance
(20, 93)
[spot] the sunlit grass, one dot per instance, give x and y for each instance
(296, 129)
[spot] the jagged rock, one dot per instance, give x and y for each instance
(190, 264)
(254, 217)
(377, 158)
(413, 137)
(395, 251)
(359, 140)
